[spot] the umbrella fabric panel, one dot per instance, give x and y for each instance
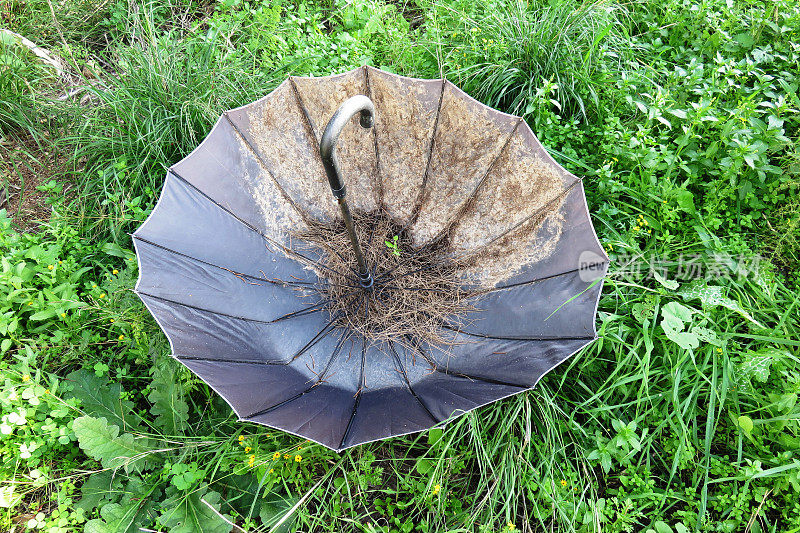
(210, 233)
(560, 306)
(207, 335)
(469, 137)
(523, 182)
(386, 405)
(320, 98)
(323, 411)
(275, 131)
(226, 170)
(539, 248)
(171, 276)
(513, 362)
(405, 116)
(248, 387)
(449, 395)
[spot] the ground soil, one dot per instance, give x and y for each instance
(25, 165)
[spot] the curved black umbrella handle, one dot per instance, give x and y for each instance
(327, 149)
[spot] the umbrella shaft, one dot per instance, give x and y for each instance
(365, 278)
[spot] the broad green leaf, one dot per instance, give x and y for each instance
(669, 284)
(99, 487)
(192, 513)
(424, 466)
(169, 407)
(273, 508)
(746, 423)
(118, 518)
(103, 442)
(712, 296)
(674, 315)
(99, 398)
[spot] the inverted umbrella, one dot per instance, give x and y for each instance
(351, 280)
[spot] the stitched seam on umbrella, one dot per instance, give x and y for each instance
(210, 311)
(334, 355)
(418, 201)
(307, 123)
(470, 200)
(377, 182)
(478, 378)
(233, 361)
(536, 280)
(408, 383)
(501, 338)
(263, 165)
(358, 395)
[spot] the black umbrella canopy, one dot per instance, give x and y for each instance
(270, 320)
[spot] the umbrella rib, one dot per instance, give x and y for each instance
(211, 311)
(538, 338)
(276, 281)
(324, 332)
(402, 370)
(421, 195)
(253, 228)
(358, 395)
(334, 355)
(378, 182)
(234, 361)
(264, 166)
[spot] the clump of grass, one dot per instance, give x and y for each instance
(416, 290)
(158, 105)
(503, 54)
(21, 75)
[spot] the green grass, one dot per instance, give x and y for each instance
(683, 117)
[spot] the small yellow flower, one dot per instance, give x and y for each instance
(241, 437)
(26, 377)
(563, 482)
(60, 262)
(297, 458)
(276, 455)
(50, 267)
(251, 460)
(286, 456)
(115, 271)
(102, 295)
(112, 320)
(436, 489)
(271, 470)
(94, 285)
(121, 337)
(247, 449)
(47, 391)
(63, 315)
(30, 303)
(510, 526)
